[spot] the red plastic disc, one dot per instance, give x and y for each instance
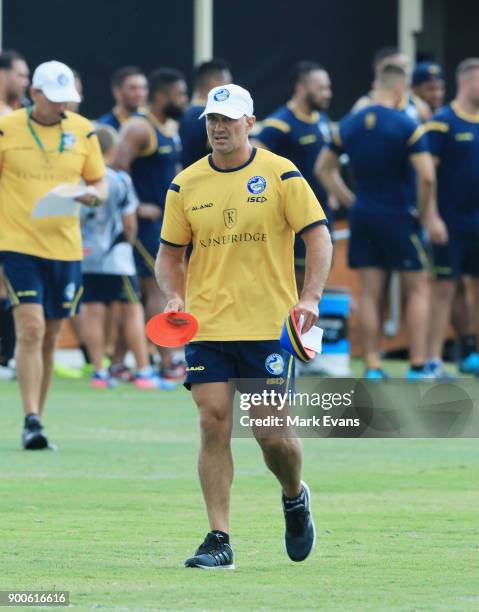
(172, 329)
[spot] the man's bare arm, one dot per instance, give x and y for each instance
(327, 171)
(426, 196)
(130, 227)
(134, 138)
(319, 251)
(170, 274)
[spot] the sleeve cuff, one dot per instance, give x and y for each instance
(311, 225)
(179, 246)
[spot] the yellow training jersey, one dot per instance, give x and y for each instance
(30, 169)
(242, 222)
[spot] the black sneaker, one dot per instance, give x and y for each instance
(300, 534)
(214, 553)
(32, 436)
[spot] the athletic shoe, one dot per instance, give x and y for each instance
(470, 364)
(213, 554)
(64, 371)
(436, 367)
(32, 436)
(300, 535)
(122, 373)
(152, 381)
(375, 374)
(424, 374)
(7, 373)
(177, 370)
(102, 381)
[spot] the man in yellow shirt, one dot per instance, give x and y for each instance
(241, 207)
(42, 147)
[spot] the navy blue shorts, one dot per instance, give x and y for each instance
(392, 242)
(220, 361)
(459, 256)
(146, 247)
(57, 285)
(108, 288)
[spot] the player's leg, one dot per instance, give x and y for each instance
(366, 254)
(50, 338)
(99, 293)
(447, 270)
(208, 372)
(7, 331)
(262, 364)
(372, 281)
(463, 322)
(417, 290)
(30, 331)
(284, 458)
(134, 332)
(134, 326)
(93, 316)
(443, 291)
(215, 461)
(475, 286)
(470, 266)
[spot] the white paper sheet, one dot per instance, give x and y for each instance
(60, 201)
(313, 339)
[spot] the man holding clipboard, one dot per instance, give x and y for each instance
(241, 207)
(42, 148)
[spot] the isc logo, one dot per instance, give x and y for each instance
(257, 199)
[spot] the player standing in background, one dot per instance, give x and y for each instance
(7, 326)
(18, 79)
(428, 84)
(5, 64)
(194, 141)
(42, 147)
(129, 89)
(75, 106)
(298, 131)
(240, 286)
(410, 104)
(385, 232)
(149, 150)
(109, 273)
(454, 142)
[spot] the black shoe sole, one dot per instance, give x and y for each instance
(37, 443)
(214, 567)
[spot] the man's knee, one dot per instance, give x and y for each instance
(215, 424)
(30, 330)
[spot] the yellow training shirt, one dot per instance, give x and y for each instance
(242, 222)
(27, 174)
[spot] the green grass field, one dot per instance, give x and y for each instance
(113, 514)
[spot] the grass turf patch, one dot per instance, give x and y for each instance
(112, 515)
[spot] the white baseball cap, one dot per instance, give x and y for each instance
(230, 100)
(56, 81)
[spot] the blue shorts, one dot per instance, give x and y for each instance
(392, 241)
(57, 285)
(459, 256)
(108, 288)
(146, 247)
(220, 361)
